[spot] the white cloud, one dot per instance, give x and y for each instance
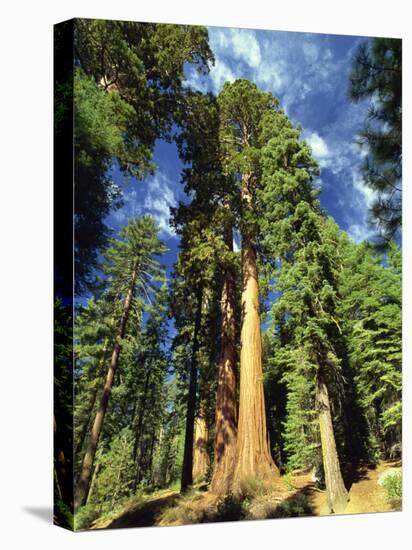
(195, 80)
(367, 194)
(239, 44)
(245, 46)
(319, 148)
(359, 232)
(269, 76)
(159, 199)
(311, 52)
(220, 74)
(236, 241)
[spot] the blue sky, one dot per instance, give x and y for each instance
(308, 73)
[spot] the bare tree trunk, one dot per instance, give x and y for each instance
(201, 460)
(87, 422)
(253, 458)
(83, 482)
(138, 429)
(187, 468)
(226, 417)
(337, 495)
(93, 482)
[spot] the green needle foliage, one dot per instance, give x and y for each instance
(372, 306)
(154, 353)
(377, 76)
(128, 92)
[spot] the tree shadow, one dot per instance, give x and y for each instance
(353, 474)
(144, 515)
(300, 504)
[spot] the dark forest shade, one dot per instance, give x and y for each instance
(63, 274)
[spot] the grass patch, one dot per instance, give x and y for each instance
(251, 487)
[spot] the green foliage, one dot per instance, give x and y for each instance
(377, 76)
(298, 258)
(393, 488)
(372, 304)
(85, 516)
(63, 414)
(115, 478)
(128, 92)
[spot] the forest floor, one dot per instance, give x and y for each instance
(297, 495)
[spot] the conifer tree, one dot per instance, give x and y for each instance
(193, 278)
(372, 307)
(128, 92)
(213, 188)
(377, 75)
(131, 270)
(242, 108)
(301, 244)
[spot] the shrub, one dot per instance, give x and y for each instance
(293, 507)
(393, 487)
(229, 508)
(85, 516)
(251, 487)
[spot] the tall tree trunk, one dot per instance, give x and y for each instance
(337, 495)
(83, 482)
(201, 460)
(138, 429)
(87, 422)
(187, 468)
(226, 417)
(253, 458)
(96, 471)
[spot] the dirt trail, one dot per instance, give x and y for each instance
(365, 495)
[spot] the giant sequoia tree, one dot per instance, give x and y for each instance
(242, 108)
(131, 269)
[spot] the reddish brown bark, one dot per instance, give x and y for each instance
(253, 458)
(201, 459)
(83, 481)
(226, 417)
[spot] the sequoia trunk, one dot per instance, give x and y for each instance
(253, 458)
(225, 435)
(83, 482)
(201, 461)
(337, 495)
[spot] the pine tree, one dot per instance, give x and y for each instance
(213, 191)
(193, 275)
(372, 305)
(301, 245)
(377, 75)
(127, 93)
(131, 270)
